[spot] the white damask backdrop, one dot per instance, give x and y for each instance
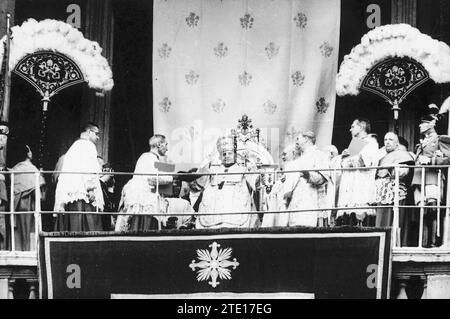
(214, 60)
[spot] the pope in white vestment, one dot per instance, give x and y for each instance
(227, 193)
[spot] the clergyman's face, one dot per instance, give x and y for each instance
(390, 142)
(163, 147)
(94, 135)
(301, 142)
(355, 129)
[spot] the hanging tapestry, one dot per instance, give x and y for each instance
(215, 60)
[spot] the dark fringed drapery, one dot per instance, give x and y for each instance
(100, 27)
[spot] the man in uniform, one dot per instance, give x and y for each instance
(433, 149)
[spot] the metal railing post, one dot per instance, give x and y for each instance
(333, 199)
(396, 229)
(422, 202)
(438, 203)
(158, 198)
(97, 178)
(37, 210)
(11, 209)
(447, 213)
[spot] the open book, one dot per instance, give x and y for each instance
(166, 190)
(356, 146)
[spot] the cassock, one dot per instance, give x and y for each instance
(72, 190)
(385, 187)
(357, 187)
(139, 197)
(24, 200)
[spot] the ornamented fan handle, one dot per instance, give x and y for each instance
(42, 137)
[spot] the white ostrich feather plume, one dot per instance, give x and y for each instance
(394, 40)
(52, 35)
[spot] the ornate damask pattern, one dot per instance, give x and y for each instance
(301, 20)
(322, 105)
(269, 107)
(165, 105)
(247, 21)
(393, 79)
(245, 78)
(164, 51)
(326, 49)
(49, 72)
(192, 20)
(192, 77)
(272, 50)
(297, 78)
(291, 134)
(221, 50)
(255, 56)
(218, 106)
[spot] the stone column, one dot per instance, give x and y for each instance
(33, 284)
(402, 282)
(11, 283)
(425, 291)
(4, 288)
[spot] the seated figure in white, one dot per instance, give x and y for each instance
(227, 193)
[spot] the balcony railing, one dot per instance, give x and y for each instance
(443, 209)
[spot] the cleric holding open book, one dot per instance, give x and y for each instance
(358, 186)
(139, 195)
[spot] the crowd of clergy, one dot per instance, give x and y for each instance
(311, 187)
